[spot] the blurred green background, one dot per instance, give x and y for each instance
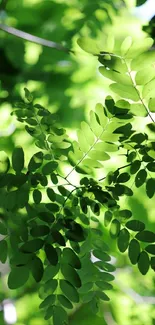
(70, 85)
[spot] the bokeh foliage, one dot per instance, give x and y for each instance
(34, 205)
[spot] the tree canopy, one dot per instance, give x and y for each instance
(77, 163)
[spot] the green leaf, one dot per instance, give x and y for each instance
(114, 228)
(123, 178)
(52, 207)
(49, 300)
(71, 275)
(145, 75)
(18, 159)
(88, 45)
(124, 91)
(134, 251)
(152, 263)
(150, 249)
(148, 90)
(50, 272)
(123, 240)
(146, 236)
(46, 217)
(37, 268)
(39, 230)
(135, 166)
(101, 255)
(143, 262)
(3, 229)
(4, 163)
(37, 196)
(59, 316)
(135, 225)
(104, 285)
(100, 112)
(99, 155)
(138, 110)
(95, 126)
(3, 250)
(140, 2)
(36, 161)
(107, 218)
(140, 177)
(49, 167)
(51, 254)
(32, 246)
(151, 166)
(71, 258)
(87, 133)
(125, 214)
(69, 291)
(28, 95)
(51, 194)
(151, 105)
(101, 295)
(125, 46)
(120, 78)
(51, 285)
(104, 276)
(64, 302)
(18, 277)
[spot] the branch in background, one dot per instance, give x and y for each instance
(34, 39)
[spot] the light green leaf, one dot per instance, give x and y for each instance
(99, 155)
(4, 163)
(151, 105)
(88, 45)
(87, 133)
(95, 126)
(145, 75)
(148, 90)
(99, 109)
(125, 46)
(124, 91)
(106, 146)
(138, 110)
(118, 77)
(84, 145)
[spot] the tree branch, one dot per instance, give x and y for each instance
(34, 39)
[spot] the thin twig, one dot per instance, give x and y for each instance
(34, 39)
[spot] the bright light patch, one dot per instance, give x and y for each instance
(146, 11)
(10, 315)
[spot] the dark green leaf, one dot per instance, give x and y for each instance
(18, 159)
(39, 230)
(37, 196)
(114, 228)
(123, 240)
(28, 95)
(36, 161)
(51, 194)
(135, 166)
(18, 277)
(151, 166)
(49, 167)
(4, 163)
(32, 245)
(69, 290)
(52, 207)
(64, 302)
(104, 285)
(152, 263)
(101, 255)
(140, 177)
(3, 229)
(150, 249)
(101, 295)
(104, 276)
(59, 316)
(46, 217)
(49, 300)
(50, 272)
(150, 187)
(135, 225)
(3, 250)
(51, 254)
(71, 275)
(122, 178)
(71, 258)
(134, 251)
(107, 218)
(146, 236)
(143, 262)
(37, 269)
